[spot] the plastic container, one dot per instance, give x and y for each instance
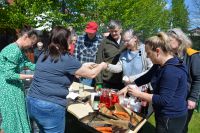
(96, 102)
(105, 97)
(135, 106)
(125, 102)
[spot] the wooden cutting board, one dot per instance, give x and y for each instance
(80, 110)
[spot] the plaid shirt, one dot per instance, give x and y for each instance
(86, 49)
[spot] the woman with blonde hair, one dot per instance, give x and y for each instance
(181, 46)
(179, 41)
(169, 82)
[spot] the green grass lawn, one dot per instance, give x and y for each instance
(194, 126)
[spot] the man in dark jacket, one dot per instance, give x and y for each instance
(109, 51)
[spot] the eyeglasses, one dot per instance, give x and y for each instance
(127, 41)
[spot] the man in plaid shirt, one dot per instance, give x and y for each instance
(87, 47)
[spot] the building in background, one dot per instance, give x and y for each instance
(195, 31)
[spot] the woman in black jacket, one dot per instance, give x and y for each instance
(181, 46)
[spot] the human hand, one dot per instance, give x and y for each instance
(90, 65)
(25, 76)
(1, 131)
(123, 91)
(30, 76)
(77, 76)
(104, 65)
(191, 104)
(126, 80)
(133, 90)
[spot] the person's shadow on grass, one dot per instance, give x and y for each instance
(147, 128)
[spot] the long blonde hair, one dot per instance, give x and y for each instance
(185, 42)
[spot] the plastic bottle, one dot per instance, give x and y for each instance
(96, 102)
(144, 104)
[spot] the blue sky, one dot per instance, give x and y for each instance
(190, 9)
(194, 20)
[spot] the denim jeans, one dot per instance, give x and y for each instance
(49, 117)
(170, 125)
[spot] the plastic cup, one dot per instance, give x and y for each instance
(135, 106)
(126, 102)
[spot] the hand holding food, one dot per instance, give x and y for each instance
(133, 90)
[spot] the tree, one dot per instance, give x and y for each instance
(146, 17)
(26, 11)
(2, 3)
(179, 15)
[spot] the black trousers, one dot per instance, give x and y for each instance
(189, 117)
(170, 125)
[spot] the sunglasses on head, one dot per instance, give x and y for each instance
(171, 32)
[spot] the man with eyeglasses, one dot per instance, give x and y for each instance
(109, 51)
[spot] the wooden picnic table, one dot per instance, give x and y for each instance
(73, 124)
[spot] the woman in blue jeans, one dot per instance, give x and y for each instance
(169, 82)
(54, 73)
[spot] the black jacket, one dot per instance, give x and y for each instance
(109, 51)
(192, 61)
